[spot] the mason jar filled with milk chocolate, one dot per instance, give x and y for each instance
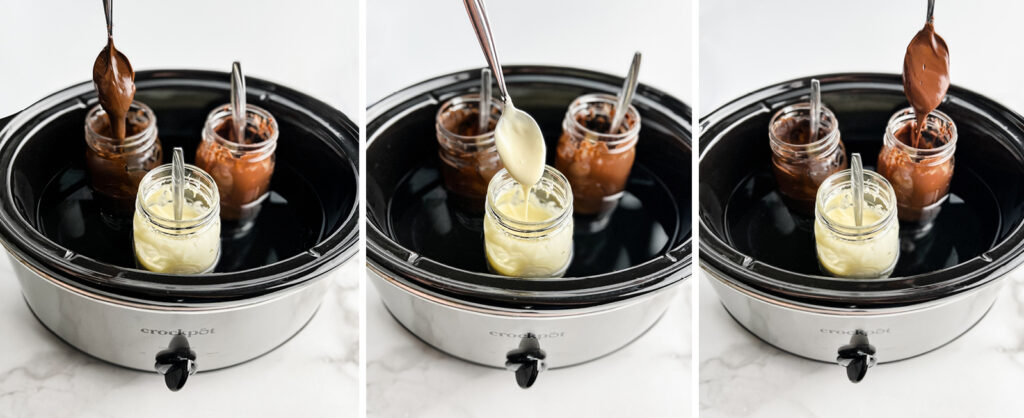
(596, 160)
(920, 169)
(801, 163)
(242, 167)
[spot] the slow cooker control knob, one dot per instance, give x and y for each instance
(527, 361)
(857, 356)
(176, 363)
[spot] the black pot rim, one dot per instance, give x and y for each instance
(388, 255)
(717, 254)
(48, 258)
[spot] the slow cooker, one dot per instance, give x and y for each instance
(426, 257)
(76, 266)
(760, 258)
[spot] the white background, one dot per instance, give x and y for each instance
(309, 45)
(409, 41)
(749, 44)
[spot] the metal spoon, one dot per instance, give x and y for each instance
(815, 109)
(238, 105)
(482, 27)
(485, 100)
(857, 181)
(178, 181)
(108, 11)
(931, 11)
(626, 94)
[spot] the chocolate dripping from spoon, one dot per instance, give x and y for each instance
(925, 73)
(114, 80)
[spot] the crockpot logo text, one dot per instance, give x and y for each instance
(179, 331)
(851, 332)
(523, 335)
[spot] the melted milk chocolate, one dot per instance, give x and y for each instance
(114, 80)
(925, 75)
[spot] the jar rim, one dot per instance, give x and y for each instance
(527, 227)
(843, 180)
(145, 135)
(832, 135)
(470, 99)
(905, 116)
(151, 180)
(221, 113)
(584, 101)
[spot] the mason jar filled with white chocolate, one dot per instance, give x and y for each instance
(177, 243)
(865, 250)
(528, 232)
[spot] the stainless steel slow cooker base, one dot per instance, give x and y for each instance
(132, 335)
(486, 335)
(818, 332)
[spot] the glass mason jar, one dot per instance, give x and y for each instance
(919, 175)
(243, 167)
(469, 157)
(868, 251)
(596, 162)
(190, 245)
(532, 240)
(116, 167)
(800, 166)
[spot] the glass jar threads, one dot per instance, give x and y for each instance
(241, 167)
(869, 250)
(799, 164)
(529, 236)
(920, 173)
(189, 245)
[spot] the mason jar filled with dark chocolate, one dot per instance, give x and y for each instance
(116, 166)
(919, 167)
(468, 154)
(800, 163)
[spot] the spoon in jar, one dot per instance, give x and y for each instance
(485, 100)
(238, 105)
(815, 111)
(178, 181)
(626, 95)
(857, 181)
(517, 136)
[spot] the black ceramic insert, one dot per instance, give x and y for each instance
(749, 234)
(308, 219)
(413, 223)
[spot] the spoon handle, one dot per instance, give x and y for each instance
(815, 109)
(626, 95)
(485, 100)
(108, 11)
(931, 11)
(857, 181)
(238, 104)
(478, 17)
(178, 181)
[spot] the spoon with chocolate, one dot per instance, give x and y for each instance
(925, 73)
(114, 79)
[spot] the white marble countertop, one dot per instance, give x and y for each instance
(649, 378)
(316, 374)
(978, 375)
